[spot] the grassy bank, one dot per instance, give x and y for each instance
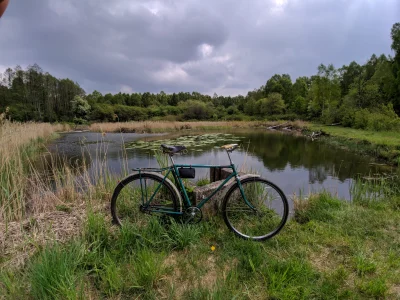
(329, 250)
(380, 144)
(68, 249)
(19, 143)
(164, 126)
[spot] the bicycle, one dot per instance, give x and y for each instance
(253, 208)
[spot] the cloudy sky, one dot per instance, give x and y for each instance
(222, 46)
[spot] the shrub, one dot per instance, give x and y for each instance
(102, 112)
(130, 113)
(361, 119)
(194, 109)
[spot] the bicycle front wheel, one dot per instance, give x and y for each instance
(260, 214)
(148, 193)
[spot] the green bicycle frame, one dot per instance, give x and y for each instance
(175, 173)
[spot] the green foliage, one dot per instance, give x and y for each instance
(299, 105)
(10, 285)
(80, 108)
(196, 110)
(148, 268)
(95, 233)
(181, 236)
(318, 208)
(54, 273)
(381, 119)
(202, 181)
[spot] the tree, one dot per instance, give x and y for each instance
(250, 107)
(196, 110)
(281, 84)
(395, 35)
(173, 101)
(273, 105)
(347, 76)
(324, 92)
(299, 105)
(80, 109)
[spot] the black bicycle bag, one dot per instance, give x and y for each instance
(187, 172)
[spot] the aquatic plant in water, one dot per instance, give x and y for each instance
(192, 142)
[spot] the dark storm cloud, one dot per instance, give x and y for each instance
(223, 46)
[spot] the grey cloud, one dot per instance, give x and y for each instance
(155, 45)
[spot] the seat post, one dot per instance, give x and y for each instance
(229, 156)
(172, 160)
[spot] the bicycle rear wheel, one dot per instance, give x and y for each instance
(145, 193)
(264, 213)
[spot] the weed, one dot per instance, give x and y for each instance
(364, 264)
(203, 181)
(148, 268)
(10, 285)
(181, 236)
(375, 287)
(54, 272)
(316, 207)
(96, 233)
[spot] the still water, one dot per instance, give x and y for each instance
(294, 163)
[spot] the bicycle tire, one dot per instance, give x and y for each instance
(231, 197)
(175, 196)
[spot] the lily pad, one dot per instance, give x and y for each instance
(194, 142)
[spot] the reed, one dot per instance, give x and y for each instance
(19, 143)
(163, 126)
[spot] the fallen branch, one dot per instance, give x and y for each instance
(277, 126)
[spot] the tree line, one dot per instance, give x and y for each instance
(360, 96)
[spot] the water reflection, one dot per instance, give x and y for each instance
(296, 164)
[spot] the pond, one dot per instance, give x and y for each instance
(294, 163)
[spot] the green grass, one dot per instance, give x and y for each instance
(54, 273)
(381, 144)
(330, 250)
(384, 138)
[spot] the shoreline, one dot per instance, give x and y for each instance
(383, 146)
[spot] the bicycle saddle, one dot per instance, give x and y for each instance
(230, 147)
(172, 149)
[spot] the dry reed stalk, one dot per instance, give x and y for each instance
(15, 139)
(164, 126)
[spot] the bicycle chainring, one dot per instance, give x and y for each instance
(192, 215)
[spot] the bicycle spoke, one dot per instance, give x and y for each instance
(144, 193)
(260, 215)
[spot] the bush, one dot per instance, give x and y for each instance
(361, 119)
(130, 113)
(196, 110)
(380, 122)
(347, 116)
(236, 117)
(102, 112)
(331, 115)
(381, 119)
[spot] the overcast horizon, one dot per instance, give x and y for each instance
(223, 47)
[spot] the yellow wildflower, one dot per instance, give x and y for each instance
(212, 248)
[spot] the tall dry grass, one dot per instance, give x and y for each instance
(165, 126)
(18, 144)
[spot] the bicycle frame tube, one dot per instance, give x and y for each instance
(175, 173)
(155, 192)
(205, 200)
(182, 187)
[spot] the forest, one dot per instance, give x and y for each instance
(363, 96)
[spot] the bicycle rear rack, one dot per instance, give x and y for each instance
(159, 170)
